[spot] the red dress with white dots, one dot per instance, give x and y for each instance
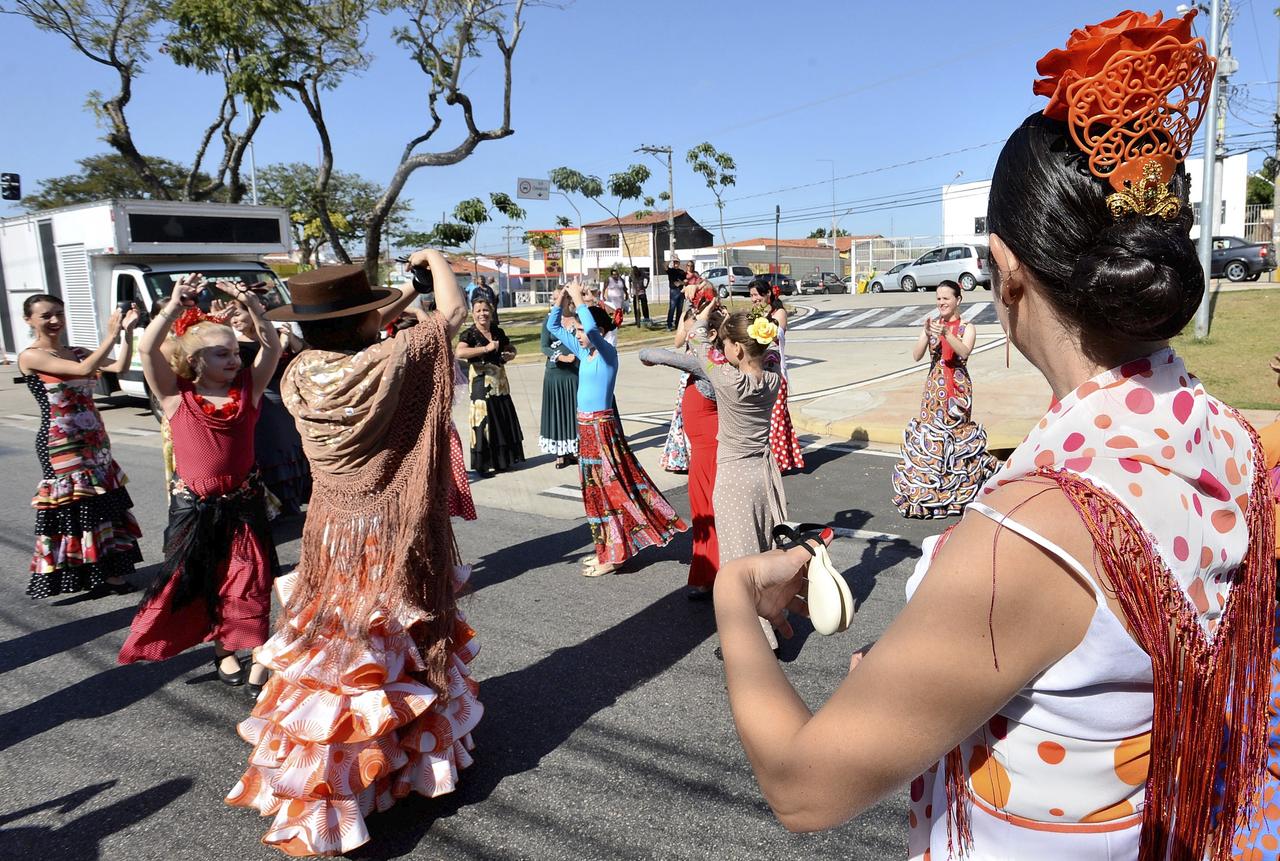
(214, 459)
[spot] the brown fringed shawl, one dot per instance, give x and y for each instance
(375, 427)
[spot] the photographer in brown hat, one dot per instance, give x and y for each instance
(371, 606)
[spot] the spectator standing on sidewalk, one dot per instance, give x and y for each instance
(675, 298)
(639, 298)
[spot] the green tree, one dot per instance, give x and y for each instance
(719, 171)
(473, 212)
(1260, 191)
(107, 175)
(348, 200)
(821, 233)
(622, 186)
(266, 49)
(443, 38)
(118, 35)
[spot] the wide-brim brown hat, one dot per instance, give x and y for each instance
(331, 291)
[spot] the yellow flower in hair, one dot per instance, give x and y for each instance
(763, 331)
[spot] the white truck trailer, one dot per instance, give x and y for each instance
(95, 256)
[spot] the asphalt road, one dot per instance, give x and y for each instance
(606, 733)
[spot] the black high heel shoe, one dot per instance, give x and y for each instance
(235, 679)
(104, 589)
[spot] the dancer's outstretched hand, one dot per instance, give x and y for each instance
(778, 582)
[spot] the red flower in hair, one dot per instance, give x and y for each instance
(189, 318)
(1088, 50)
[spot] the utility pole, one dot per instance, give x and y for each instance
(1212, 153)
(777, 219)
(1275, 176)
(656, 151)
(835, 251)
(508, 228)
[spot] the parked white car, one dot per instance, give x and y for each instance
(889, 280)
(968, 265)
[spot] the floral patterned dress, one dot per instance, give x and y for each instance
(85, 530)
(944, 451)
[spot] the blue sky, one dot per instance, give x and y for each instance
(780, 86)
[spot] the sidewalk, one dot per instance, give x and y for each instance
(875, 410)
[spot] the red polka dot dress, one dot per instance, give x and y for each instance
(219, 558)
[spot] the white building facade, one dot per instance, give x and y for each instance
(964, 205)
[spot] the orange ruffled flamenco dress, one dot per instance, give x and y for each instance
(370, 696)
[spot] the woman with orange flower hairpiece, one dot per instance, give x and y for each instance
(1087, 654)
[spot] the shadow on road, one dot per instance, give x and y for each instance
(38, 645)
(532, 711)
(96, 696)
(79, 839)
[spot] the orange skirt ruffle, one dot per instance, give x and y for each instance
(335, 739)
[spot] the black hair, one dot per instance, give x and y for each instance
(338, 334)
(953, 287)
(1133, 278)
(604, 320)
(29, 304)
(765, 288)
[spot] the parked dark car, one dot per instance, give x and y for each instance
(827, 283)
(1238, 260)
(785, 283)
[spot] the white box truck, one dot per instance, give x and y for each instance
(97, 255)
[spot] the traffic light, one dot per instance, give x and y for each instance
(10, 186)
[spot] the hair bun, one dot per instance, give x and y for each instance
(1140, 280)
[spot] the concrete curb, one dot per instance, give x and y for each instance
(854, 429)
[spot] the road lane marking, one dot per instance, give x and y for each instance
(845, 324)
(564, 491)
(974, 311)
(888, 318)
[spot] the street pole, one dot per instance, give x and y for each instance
(253, 174)
(835, 251)
(1275, 176)
(1207, 190)
(671, 195)
(777, 219)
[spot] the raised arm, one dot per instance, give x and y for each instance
(683, 361)
(161, 379)
(37, 361)
(451, 300)
(555, 324)
(929, 681)
(264, 364)
(121, 362)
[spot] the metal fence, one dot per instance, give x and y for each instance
(869, 256)
(1259, 220)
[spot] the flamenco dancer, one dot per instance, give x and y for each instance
(220, 560)
(624, 509)
(86, 536)
(559, 423)
(766, 301)
(370, 697)
(748, 499)
(1082, 670)
(698, 435)
(944, 452)
(276, 444)
(497, 443)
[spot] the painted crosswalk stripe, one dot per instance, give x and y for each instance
(975, 310)
(889, 318)
(564, 491)
(845, 324)
(818, 319)
(919, 321)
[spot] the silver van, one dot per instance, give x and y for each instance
(967, 264)
(730, 280)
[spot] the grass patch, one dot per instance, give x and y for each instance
(1232, 361)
